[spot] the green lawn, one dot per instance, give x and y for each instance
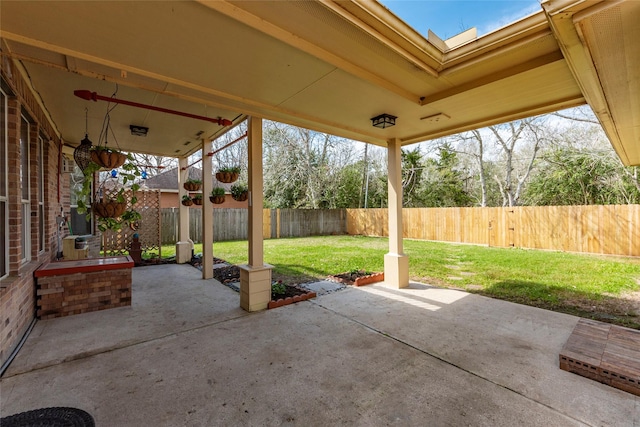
(586, 285)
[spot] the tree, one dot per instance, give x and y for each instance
(412, 171)
(302, 168)
(508, 137)
(573, 176)
(445, 183)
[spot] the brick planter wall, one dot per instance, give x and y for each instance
(82, 288)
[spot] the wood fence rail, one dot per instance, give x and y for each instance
(609, 229)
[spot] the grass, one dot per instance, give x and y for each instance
(585, 285)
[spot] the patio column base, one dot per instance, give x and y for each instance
(255, 287)
(396, 270)
(184, 251)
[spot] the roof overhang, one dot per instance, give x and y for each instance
(328, 65)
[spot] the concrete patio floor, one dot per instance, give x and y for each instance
(185, 354)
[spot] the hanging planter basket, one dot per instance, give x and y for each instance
(227, 177)
(197, 201)
(218, 200)
(107, 158)
(187, 202)
(109, 209)
(192, 186)
(241, 197)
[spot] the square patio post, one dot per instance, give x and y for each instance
(207, 212)
(184, 245)
(396, 263)
(255, 277)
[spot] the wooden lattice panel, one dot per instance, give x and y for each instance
(148, 227)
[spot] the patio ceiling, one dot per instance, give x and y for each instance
(328, 65)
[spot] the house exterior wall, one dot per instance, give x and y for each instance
(17, 286)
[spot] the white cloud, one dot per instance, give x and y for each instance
(528, 7)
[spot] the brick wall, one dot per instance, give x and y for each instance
(17, 289)
(17, 303)
(77, 293)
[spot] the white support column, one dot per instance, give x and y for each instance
(207, 212)
(255, 277)
(184, 246)
(396, 263)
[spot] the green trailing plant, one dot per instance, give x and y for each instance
(197, 196)
(194, 181)
(186, 198)
(129, 172)
(238, 190)
(217, 191)
(278, 288)
(230, 169)
(360, 272)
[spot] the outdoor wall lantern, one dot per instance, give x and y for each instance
(82, 153)
(384, 121)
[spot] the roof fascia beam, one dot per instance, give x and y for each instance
(494, 77)
(563, 17)
(384, 26)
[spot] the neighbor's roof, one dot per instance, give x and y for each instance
(326, 65)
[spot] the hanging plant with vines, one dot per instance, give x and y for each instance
(115, 203)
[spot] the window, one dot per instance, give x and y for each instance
(41, 237)
(4, 214)
(25, 198)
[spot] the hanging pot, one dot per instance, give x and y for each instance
(109, 209)
(241, 197)
(108, 159)
(192, 186)
(227, 177)
(197, 202)
(217, 199)
(187, 202)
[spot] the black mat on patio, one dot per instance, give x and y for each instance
(49, 417)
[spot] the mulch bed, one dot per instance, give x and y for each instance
(290, 291)
(357, 278)
(230, 275)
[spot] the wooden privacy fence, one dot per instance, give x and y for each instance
(231, 224)
(610, 229)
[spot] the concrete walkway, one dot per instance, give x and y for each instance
(185, 354)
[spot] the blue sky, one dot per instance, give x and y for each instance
(447, 18)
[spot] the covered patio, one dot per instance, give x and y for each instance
(185, 354)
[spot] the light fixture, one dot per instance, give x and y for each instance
(138, 130)
(82, 153)
(383, 121)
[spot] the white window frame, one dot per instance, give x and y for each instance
(41, 222)
(4, 169)
(25, 204)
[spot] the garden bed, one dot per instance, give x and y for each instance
(229, 275)
(290, 295)
(357, 277)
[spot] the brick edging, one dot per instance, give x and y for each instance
(290, 300)
(360, 281)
